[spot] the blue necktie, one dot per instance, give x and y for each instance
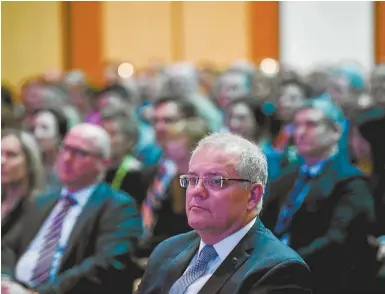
(199, 267)
(293, 203)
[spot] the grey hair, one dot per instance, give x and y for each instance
(97, 135)
(252, 165)
(36, 171)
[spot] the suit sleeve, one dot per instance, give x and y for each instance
(119, 228)
(356, 200)
(154, 263)
(288, 277)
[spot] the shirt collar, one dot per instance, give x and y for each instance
(316, 169)
(81, 196)
(225, 246)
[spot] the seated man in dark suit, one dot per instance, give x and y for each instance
(323, 208)
(80, 239)
(230, 250)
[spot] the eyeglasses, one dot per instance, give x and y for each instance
(210, 181)
(77, 152)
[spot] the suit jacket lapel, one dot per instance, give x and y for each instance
(233, 261)
(321, 186)
(89, 212)
(44, 206)
(179, 265)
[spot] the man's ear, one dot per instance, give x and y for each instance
(337, 134)
(256, 193)
(106, 164)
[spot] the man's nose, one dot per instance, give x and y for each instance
(299, 131)
(3, 160)
(199, 190)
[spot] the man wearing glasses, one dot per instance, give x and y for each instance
(229, 251)
(78, 239)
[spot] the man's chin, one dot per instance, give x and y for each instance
(197, 223)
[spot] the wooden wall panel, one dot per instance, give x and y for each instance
(263, 30)
(379, 24)
(83, 38)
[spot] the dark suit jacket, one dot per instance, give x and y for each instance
(170, 222)
(98, 254)
(258, 264)
(372, 127)
(132, 184)
(330, 228)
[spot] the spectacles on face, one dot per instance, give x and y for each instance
(77, 152)
(211, 181)
(166, 120)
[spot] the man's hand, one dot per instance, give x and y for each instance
(10, 287)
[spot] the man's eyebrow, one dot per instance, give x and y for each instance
(209, 173)
(214, 173)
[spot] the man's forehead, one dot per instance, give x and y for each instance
(214, 155)
(309, 114)
(77, 134)
(166, 108)
(81, 141)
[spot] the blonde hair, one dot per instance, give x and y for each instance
(36, 172)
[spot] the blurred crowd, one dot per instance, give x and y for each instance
(155, 117)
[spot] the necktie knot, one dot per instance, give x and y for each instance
(207, 254)
(68, 200)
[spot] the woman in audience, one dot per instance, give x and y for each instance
(49, 128)
(22, 175)
(246, 117)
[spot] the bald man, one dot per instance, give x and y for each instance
(78, 239)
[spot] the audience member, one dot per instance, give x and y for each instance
(22, 176)
(49, 128)
(79, 239)
(323, 208)
(229, 251)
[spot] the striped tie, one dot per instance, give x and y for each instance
(42, 269)
(207, 254)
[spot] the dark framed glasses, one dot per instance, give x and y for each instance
(210, 181)
(77, 152)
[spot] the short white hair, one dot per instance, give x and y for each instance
(97, 135)
(252, 165)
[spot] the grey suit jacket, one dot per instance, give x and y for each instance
(97, 258)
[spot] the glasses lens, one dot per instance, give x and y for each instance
(215, 182)
(183, 181)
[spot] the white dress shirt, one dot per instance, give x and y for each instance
(28, 261)
(223, 248)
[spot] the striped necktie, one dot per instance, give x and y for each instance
(199, 267)
(156, 194)
(43, 265)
